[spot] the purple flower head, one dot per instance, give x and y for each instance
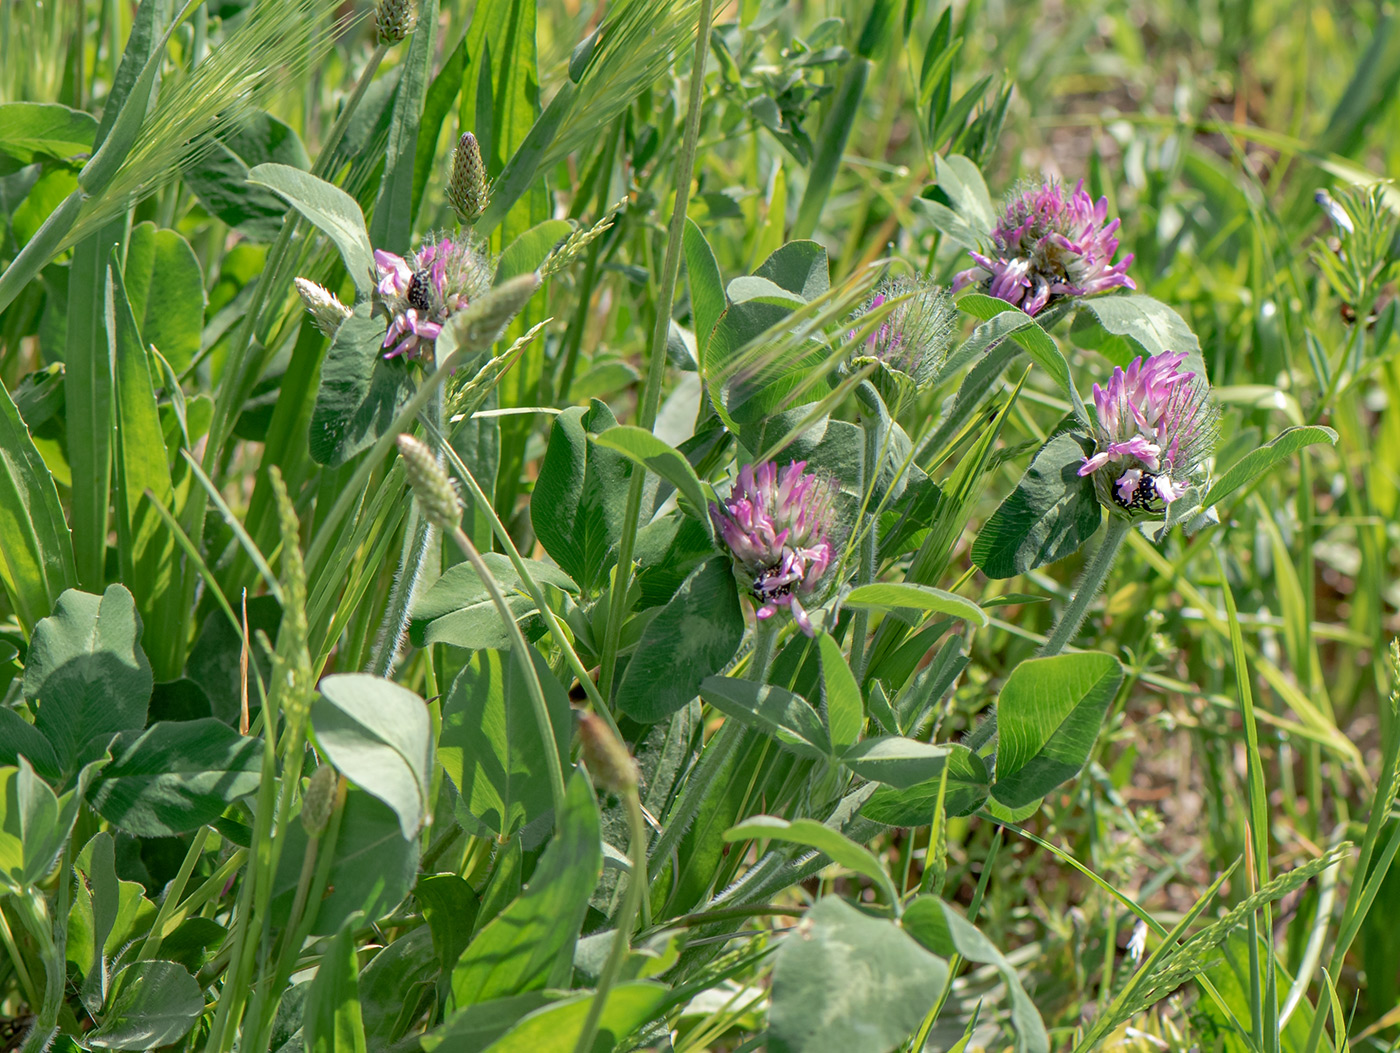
(424, 289)
(1050, 244)
(1156, 425)
(913, 338)
(776, 527)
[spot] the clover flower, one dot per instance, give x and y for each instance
(776, 528)
(1156, 425)
(423, 290)
(1048, 244)
(913, 338)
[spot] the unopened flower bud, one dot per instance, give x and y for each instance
(437, 498)
(467, 191)
(326, 309)
(394, 20)
(319, 802)
(608, 761)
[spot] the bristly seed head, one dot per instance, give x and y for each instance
(1048, 245)
(467, 189)
(437, 497)
(777, 529)
(1156, 426)
(914, 337)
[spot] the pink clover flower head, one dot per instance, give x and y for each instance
(1049, 244)
(1156, 426)
(422, 290)
(776, 526)
(914, 337)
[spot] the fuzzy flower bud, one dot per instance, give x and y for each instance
(913, 339)
(467, 191)
(437, 497)
(608, 761)
(422, 290)
(326, 309)
(1156, 426)
(1046, 245)
(776, 528)
(319, 802)
(394, 20)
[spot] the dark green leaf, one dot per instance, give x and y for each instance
(458, 610)
(706, 286)
(490, 743)
(361, 392)
(800, 267)
(156, 1004)
(580, 496)
(220, 178)
(518, 950)
(694, 636)
(842, 850)
(175, 777)
(330, 209)
(967, 789)
(1049, 515)
(908, 595)
(86, 675)
(36, 549)
(781, 713)
(450, 906)
(940, 928)
(372, 869)
(29, 130)
(1048, 715)
(1135, 325)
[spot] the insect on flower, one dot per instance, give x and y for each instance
(1049, 244)
(1156, 426)
(423, 290)
(776, 527)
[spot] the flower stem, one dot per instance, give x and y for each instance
(865, 572)
(626, 919)
(656, 367)
(418, 543)
(1087, 587)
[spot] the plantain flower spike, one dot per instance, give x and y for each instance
(394, 20)
(467, 191)
(437, 497)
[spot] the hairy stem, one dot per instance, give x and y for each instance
(1087, 587)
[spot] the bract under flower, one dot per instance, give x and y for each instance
(423, 290)
(776, 527)
(1048, 244)
(1156, 425)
